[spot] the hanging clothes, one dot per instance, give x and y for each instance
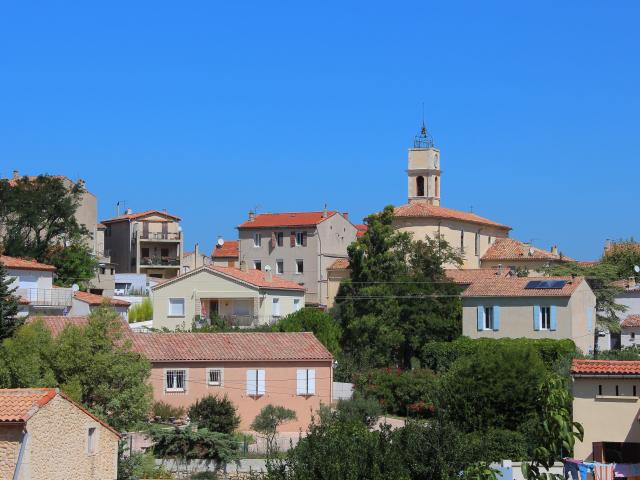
(627, 470)
(604, 471)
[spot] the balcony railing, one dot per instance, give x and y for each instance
(160, 261)
(50, 297)
(160, 235)
(240, 321)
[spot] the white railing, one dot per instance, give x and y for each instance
(51, 297)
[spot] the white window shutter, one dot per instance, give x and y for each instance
(301, 378)
(312, 381)
(251, 382)
(261, 382)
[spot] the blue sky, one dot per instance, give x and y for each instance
(209, 109)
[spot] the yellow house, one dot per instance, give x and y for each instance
(605, 403)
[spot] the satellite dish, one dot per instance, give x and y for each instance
(220, 242)
(636, 268)
(267, 268)
(75, 287)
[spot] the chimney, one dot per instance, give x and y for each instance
(252, 215)
(16, 174)
(243, 266)
(345, 215)
(196, 255)
(325, 213)
(554, 250)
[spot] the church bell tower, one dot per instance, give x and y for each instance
(424, 170)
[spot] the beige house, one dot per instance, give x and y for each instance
(423, 216)
(605, 403)
(46, 436)
(514, 254)
(298, 247)
(543, 307)
(226, 253)
(85, 302)
(148, 242)
(242, 298)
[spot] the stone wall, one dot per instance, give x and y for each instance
(9, 449)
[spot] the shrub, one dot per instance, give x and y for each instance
(408, 393)
(140, 465)
(495, 445)
(359, 409)
(267, 422)
(166, 411)
(141, 312)
(215, 414)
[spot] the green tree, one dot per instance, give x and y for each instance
(398, 297)
(269, 420)
(624, 255)
(359, 409)
(215, 414)
(74, 263)
(38, 213)
(9, 320)
(323, 326)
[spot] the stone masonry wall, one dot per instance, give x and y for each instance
(9, 449)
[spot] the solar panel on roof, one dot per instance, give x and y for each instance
(545, 284)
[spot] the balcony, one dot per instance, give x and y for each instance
(238, 321)
(48, 297)
(160, 261)
(161, 236)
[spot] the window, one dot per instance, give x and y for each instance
(279, 267)
(617, 391)
(164, 252)
(91, 440)
(296, 304)
(306, 381)
(255, 383)
(488, 318)
(420, 186)
(280, 239)
(632, 336)
(257, 265)
(257, 240)
(175, 381)
(599, 389)
(275, 307)
(214, 376)
(477, 244)
(144, 252)
(635, 391)
(462, 241)
(301, 238)
(545, 318)
(299, 266)
(176, 307)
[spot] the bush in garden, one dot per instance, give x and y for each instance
(215, 414)
(359, 409)
(166, 411)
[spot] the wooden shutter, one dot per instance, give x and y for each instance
(536, 317)
(261, 382)
(292, 239)
(251, 382)
(301, 381)
(480, 317)
(553, 325)
(496, 318)
(311, 379)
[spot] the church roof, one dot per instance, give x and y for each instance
(425, 210)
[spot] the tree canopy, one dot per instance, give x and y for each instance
(323, 326)
(9, 320)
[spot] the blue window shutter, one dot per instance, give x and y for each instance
(589, 319)
(480, 318)
(536, 317)
(554, 318)
(496, 318)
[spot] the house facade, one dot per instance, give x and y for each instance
(85, 302)
(34, 287)
(46, 436)
(337, 272)
(252, 369)
(424, 216)
(515, 255)
(298, 247)
(148, 243)
(605, 403)
(241, 298)
(530, 307)
(226, 253)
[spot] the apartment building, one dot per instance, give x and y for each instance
(149, 242)
(298, 247)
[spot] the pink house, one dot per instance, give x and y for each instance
(253, 369)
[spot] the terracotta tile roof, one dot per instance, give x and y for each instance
(362, 229)
(56, 323)
(423, 209)
(473, 275)
(236, 346)
(340, 264)
(631, 321)
(515, 287)
(101, 226)
(605, 367)
(25, 264)
(230, 249)
(511, 249)
(135, 216)
(23, 301)
(19, 404)
(291, 219)
(96, 300)
(255, 278)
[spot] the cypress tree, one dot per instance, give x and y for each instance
(9, 320)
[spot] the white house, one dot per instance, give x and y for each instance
(84, 303)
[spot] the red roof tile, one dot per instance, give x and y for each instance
(25, 264)
(135, 216)
(362, 229)
(19, 404)
(605, 367)
(236, 346)
(474, 275)
(255, 278)
(95, 300)
(340, 264)
(510, 249)
(423, 209)
(291, 219)
(515, 287)
(56, 323)
(631, 321)
(230, 249)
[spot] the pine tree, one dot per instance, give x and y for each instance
(9, 320)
